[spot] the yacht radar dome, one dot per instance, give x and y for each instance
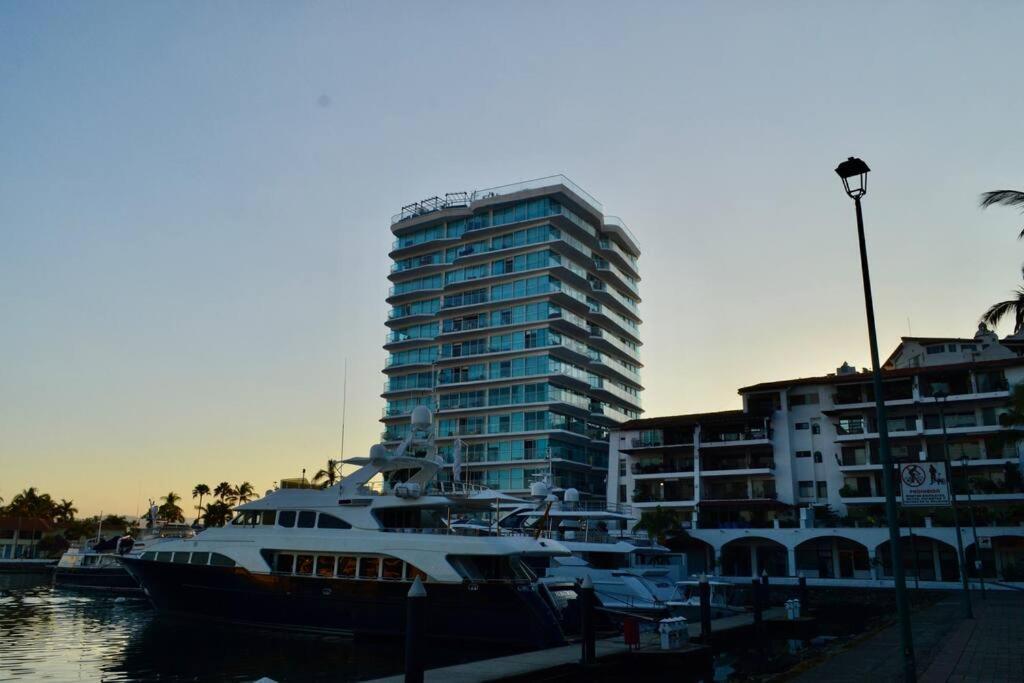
(421, 417)
(378, 454)
(571, 496)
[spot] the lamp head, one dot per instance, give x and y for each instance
(854, 174)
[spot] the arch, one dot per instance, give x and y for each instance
(832, 556)
(925, 558)
(752, 555)
(1003, 561)
(700, 555)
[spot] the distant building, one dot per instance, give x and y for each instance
(20, 536)
(802, 454)
(514, 319)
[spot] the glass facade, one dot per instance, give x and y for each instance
(517, 326)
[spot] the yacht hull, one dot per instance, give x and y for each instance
(504, 613)
(105, 579)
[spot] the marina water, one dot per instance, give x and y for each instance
(56, 635)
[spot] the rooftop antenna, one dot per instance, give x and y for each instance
(910, 332)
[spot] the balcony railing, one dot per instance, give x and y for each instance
(744, 435)
(713, 464)
(663, 467)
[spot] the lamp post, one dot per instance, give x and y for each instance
(940, 399)
(854, 174)
(974, 527)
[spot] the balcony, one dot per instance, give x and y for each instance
(732, 466)
(737, 437)
(863, 395)
(600, 384)
(624, 258)
(627, 282)
(664, 492)
(603, 410)
(604, 361)
(674, 466)
(600, 338)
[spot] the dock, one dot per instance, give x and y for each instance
(563, 661)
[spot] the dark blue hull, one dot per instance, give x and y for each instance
(504, 613)
(106, 580)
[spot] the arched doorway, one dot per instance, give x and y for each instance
(752, 556)
(1002, 557)
(924, 559)
(833, 557)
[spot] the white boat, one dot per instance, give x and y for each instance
(628, 573)
(685, 600)
(342, 558)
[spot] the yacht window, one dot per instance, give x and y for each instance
(150, 555)
(412, 572)
(268, 517)
(326, 521)
(490, 567)
(347, 567)
(286, 518)
(391, 569)
(307, 519)
(369, 567)
(163, 557)
(218, 560)
(89, 559)
(284, 563)
(247, 518)
(180, 558)
(303, 564)
(325, 565)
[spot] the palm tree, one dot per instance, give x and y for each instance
(65, 511)
(170, 510)
(31, 503)
(1012, 198)
(217, 513)
(245, 492)
(331, 475)
(199, 491)
(1014, 306)
(225, 492)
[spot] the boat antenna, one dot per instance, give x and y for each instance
(344, 405)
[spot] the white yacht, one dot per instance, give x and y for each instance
(685, 600)
(628, 573)
(342, 558)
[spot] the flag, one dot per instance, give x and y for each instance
(457, 460)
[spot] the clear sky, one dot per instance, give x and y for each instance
(195, 202)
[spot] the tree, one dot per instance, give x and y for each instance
(170, 510)
(65, 511)
(657, 523)
(115, 522)
(225, 492)
(217, 513)
(1013, 306)
(199, 491)
(1012, 198)
(31, 503)
(245, 492)
(331, 475)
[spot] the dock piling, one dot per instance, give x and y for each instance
(587, 625)
(705, 608)
(414, 632)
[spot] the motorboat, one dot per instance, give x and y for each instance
(342, 558)
(94, 565)
(685, 601)
(629, 573)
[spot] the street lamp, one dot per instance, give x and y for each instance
(940, 397)
(854, 174)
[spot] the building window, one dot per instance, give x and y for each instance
(935, 348)
(806, 489)
(822, 489)
(817, 456)
(803, 399)
(803, 454)
(799, 426)
(815, 428)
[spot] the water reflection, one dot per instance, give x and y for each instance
(64, 636)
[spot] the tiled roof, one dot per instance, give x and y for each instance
(25, 524)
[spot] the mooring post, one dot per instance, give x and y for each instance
(765, 587)
(587, 625)
(802, 581)
(414, 632)
(705, 608)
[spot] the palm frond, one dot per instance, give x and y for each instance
(1002, 197)
(998, 311)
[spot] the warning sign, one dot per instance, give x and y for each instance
(924, 484)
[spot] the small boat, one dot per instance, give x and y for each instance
(685, 601)
(342, 559)
(95, 566)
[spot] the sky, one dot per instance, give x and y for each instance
(195, 201)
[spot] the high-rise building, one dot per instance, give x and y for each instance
(514, 319)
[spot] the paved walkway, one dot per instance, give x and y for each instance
(947, 647)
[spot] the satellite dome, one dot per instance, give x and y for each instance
(539, 489)
(421, 417)
(378, 454)
(571, 496)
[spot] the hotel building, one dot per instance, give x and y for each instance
(792, 482)
(514, 319)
